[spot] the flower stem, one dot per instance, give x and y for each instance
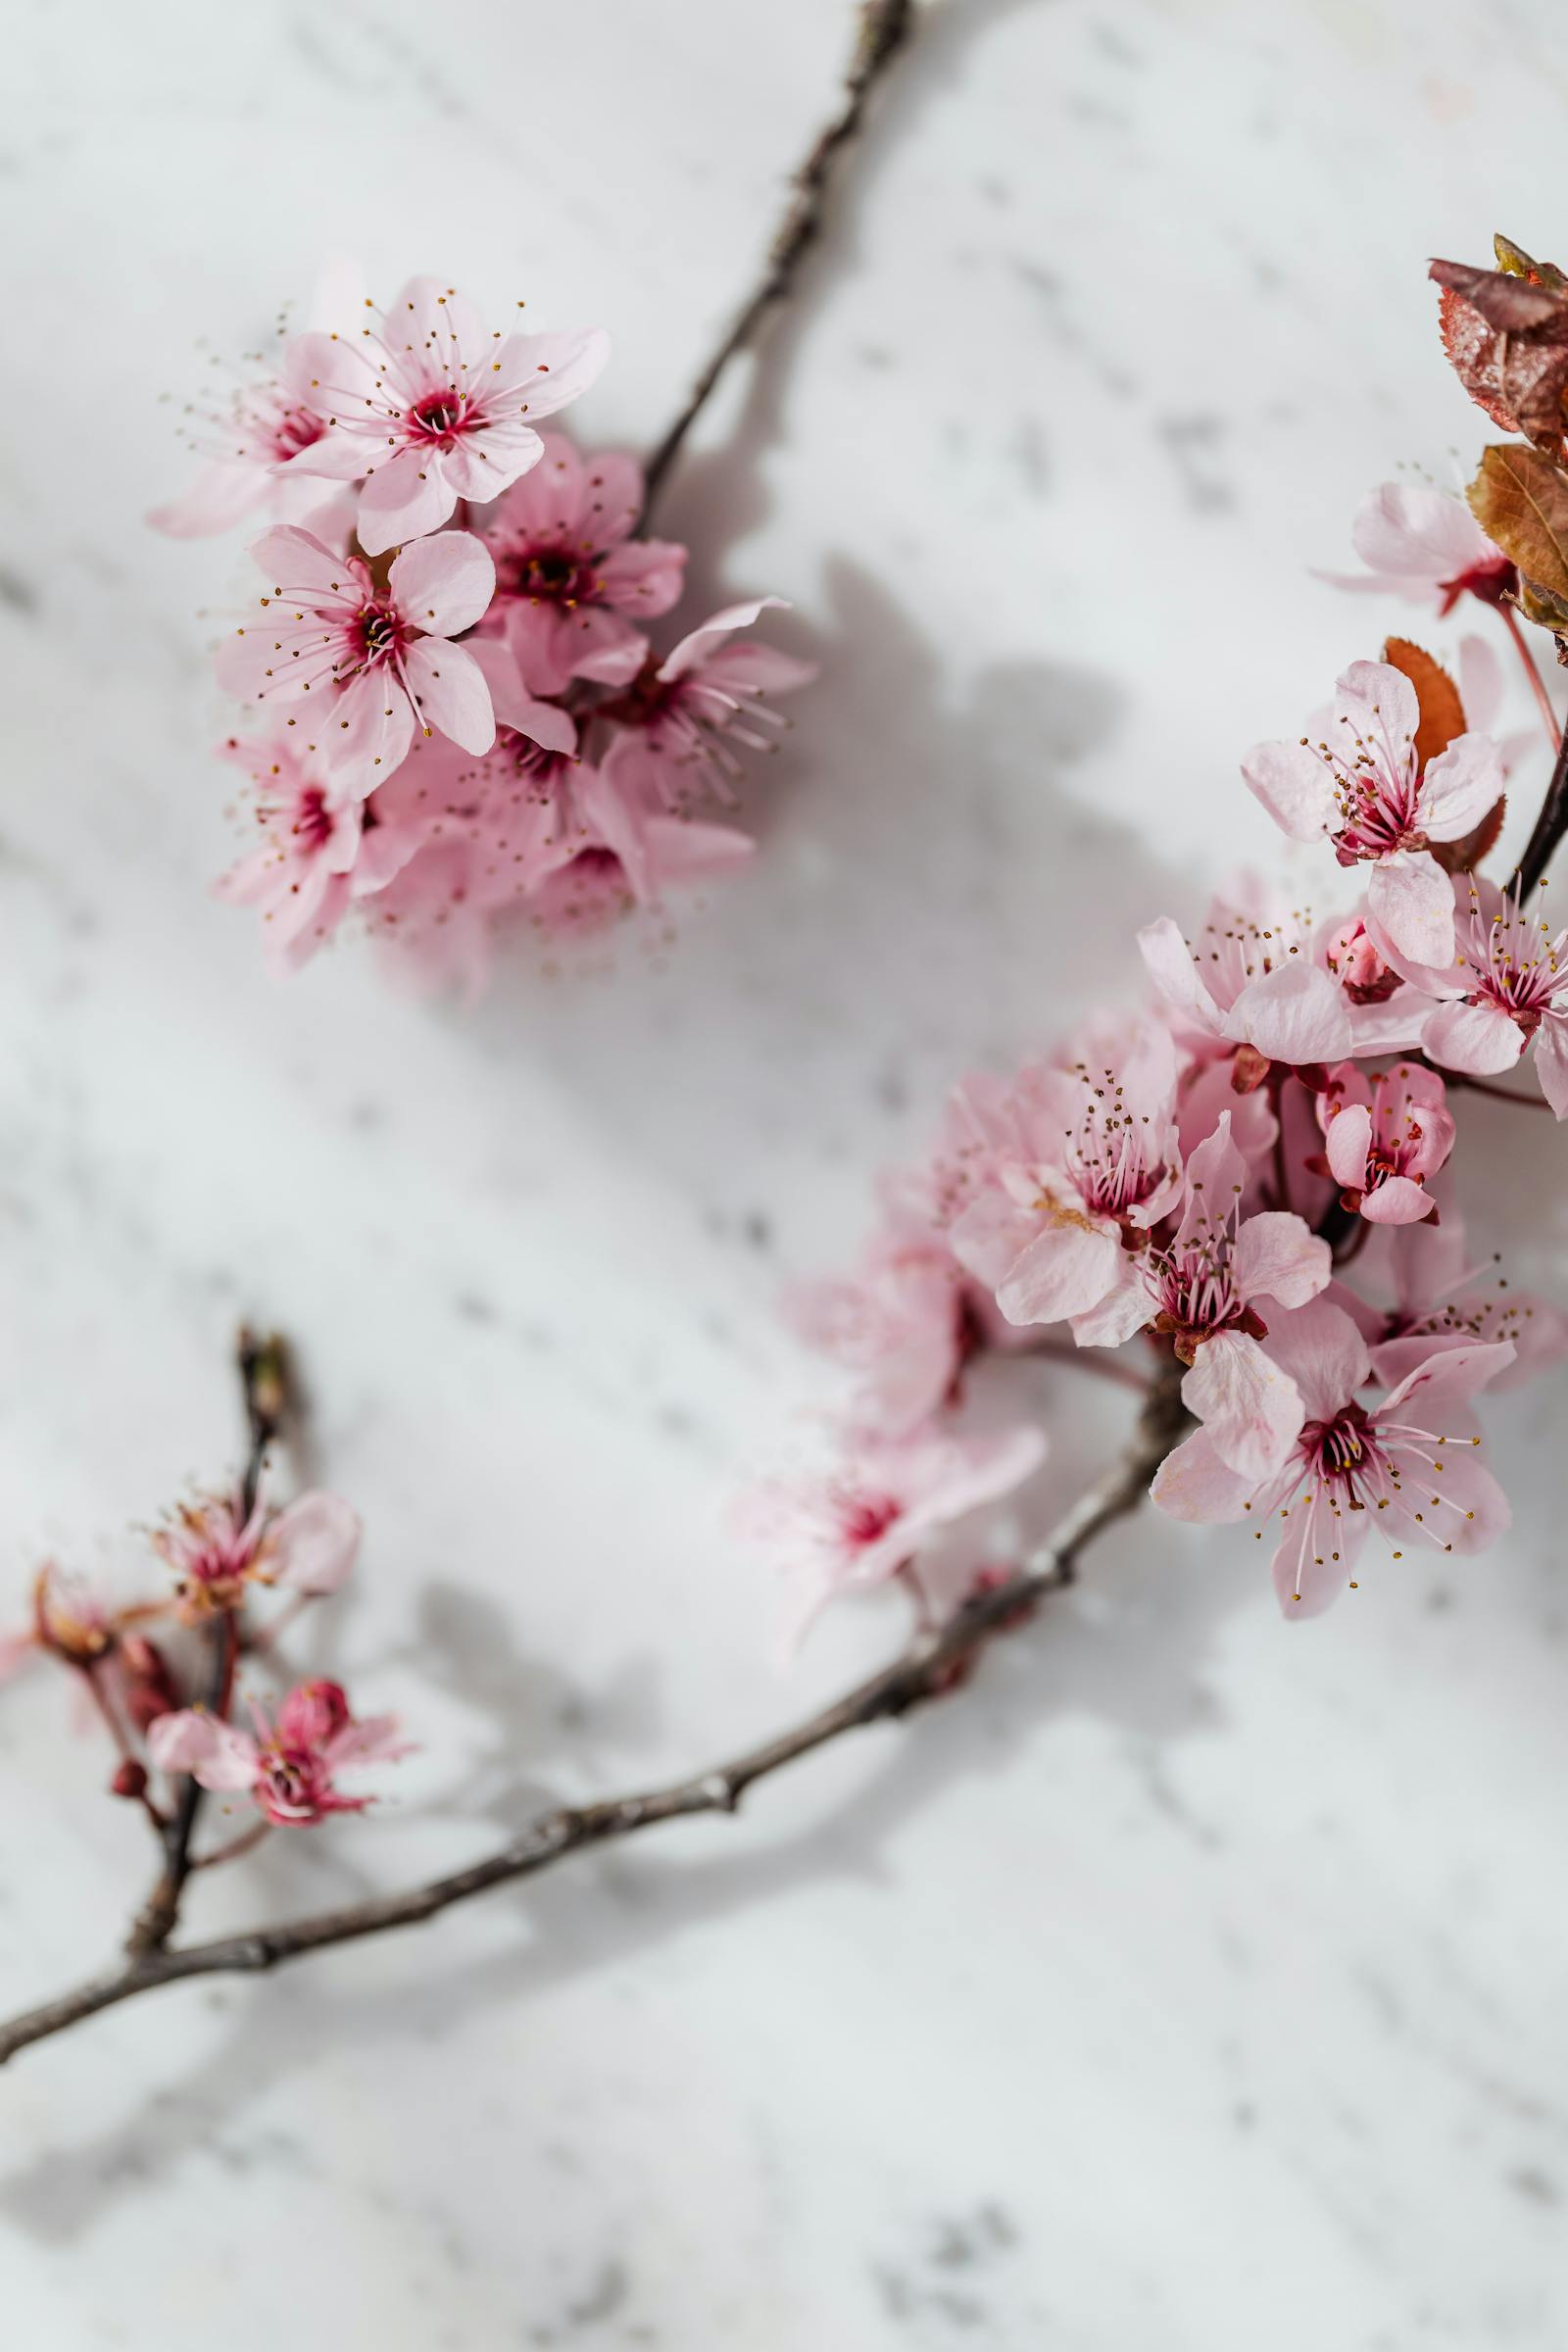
(1538, 686)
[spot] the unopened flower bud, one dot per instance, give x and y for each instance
(150, 1688)
(130, 1778)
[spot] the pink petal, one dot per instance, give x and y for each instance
(409, 494)
(296, 566)
(444, 584)
(1064, 1271)
(1476, 1038)
(1397, 1201)
(1278, 1256)
(1195, 1484)
(449, 692)
(1175, 973)
(1551, 1061)
(1412, 898)
(548, 370)
(1323, 1352)
(696, 648)
(1421, 533)
(1294, 787)
(1295, 1016)
(217, 1755)
(317, 1541)
(1346, 1143)
(219, 495)
(543, 723)
(1251, 1409)
(1460, 786)
(990, 1236)
(1316, 1553)
(1126, 1309)
(1379, 701)
(1441, 1388)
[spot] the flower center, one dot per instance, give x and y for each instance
(438, 416)
(1519, 966)
(1345, 1453)
(548, 575)
(378, 634)
(864, 1518)
(314, 823)
(296, 429)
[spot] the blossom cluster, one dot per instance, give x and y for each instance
(145, 1667)
(455, 712)
(1245, 1180)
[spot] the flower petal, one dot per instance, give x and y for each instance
(444, 584)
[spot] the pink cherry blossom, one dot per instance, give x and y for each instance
(1384, 1136)
(572, 583)
(1425, 544)
(217, 1550)
(1435, 1296)
(379, 662)
(251, 446)
(71, 1620)
(679, 720)
(427, 405)
(322, 846)
(898, 1324)
(1202, 1292)
(1412, 1458)
(1086, 1160)
(861, 1524)
(1253, 978)
(1504, 989)
(1365, 791)
(289, 1768)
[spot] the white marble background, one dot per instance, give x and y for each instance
(1198, 1982)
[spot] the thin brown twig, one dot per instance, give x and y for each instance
(885, 26)
(1538, 685)
(920, 1672)
(264, 1380)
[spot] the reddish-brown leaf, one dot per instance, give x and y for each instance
(1520, 498)
(1463, 856)
(1442, 711)
(1507, 337)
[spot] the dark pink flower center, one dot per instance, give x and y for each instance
(1520, 967)
(1344, 1454)
(863, 1518)
(314, 823)
(290, 1781)
(296, 429)
(547, 574)
(439, 417)
(377, 634)
(1490, 580)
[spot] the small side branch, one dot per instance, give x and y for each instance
(922, 1670)
(263, 1382)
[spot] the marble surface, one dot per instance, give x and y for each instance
(1196, 1983)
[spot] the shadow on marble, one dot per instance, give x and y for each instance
(609, 1910)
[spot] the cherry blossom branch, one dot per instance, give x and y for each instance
(926, 1667)
(264, 1380)
(885, 26)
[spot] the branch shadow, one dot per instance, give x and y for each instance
(605, 1911)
